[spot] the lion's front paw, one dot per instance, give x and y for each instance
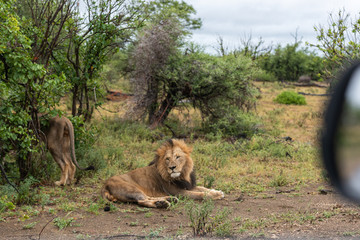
(162, 204)
(172, 199)
(216, 194)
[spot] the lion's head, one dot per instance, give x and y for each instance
(174, 163)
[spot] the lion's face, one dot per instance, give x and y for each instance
(174, 161)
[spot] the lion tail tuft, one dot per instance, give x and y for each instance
(90, 168)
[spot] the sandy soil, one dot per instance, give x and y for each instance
(313, 212)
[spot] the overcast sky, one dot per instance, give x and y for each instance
(274, 20)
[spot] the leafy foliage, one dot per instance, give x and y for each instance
(44, 55)
(93, 37)
(233, 123)
(5, 204)
(169, 9)
(167, 71)
(290, 97)
(290, 62)
(25, 87)
(24, 195)
(27, 195)
(166, 74)
(63, 223)
(265, 77)
(338, 41)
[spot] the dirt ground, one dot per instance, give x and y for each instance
(313, 212)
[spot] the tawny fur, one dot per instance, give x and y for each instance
(170, 174)
(60, 142)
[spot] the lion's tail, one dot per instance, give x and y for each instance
(106, 194)
(72, 146)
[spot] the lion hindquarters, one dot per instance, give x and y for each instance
(58, 138)
(117, 189)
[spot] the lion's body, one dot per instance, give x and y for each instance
(60, 142)
(170, 174)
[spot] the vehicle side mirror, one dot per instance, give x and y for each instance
(341, 135)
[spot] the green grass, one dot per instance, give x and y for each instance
(351, 234)
(63, 223)
(148, 214)
(29, 225)
(203, 220)
(133, 224)
(155, 232)
(296, 218)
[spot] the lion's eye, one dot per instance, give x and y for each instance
(167, 159)
(177, 157)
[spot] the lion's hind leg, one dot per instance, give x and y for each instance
(119, 190)
(70, 168)
(64, 171)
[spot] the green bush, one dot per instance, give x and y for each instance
(290, 97)
(199, 215)
(203, 222)
(288, 63)
(265, 76)
(233, 123)
(26, 193)
(6, 204)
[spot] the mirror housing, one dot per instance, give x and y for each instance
(332, 124)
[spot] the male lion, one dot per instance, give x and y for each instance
(60, 142)
(170, 173)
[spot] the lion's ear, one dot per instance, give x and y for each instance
(185, 148)
(190, 149)
(156, 159)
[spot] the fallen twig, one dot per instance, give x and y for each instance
(311, 84)
(313, 94)
(45, 226)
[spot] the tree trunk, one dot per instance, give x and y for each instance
(24, 165)
(166, 106)
(74, 91)
(81, 98)
(89, 110)
(152, 112)
(152, 97)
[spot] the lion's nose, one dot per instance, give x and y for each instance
(172, 168)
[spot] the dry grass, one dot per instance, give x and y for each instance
(265, 161)
(299, 122)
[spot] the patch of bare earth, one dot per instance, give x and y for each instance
(313, 212)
